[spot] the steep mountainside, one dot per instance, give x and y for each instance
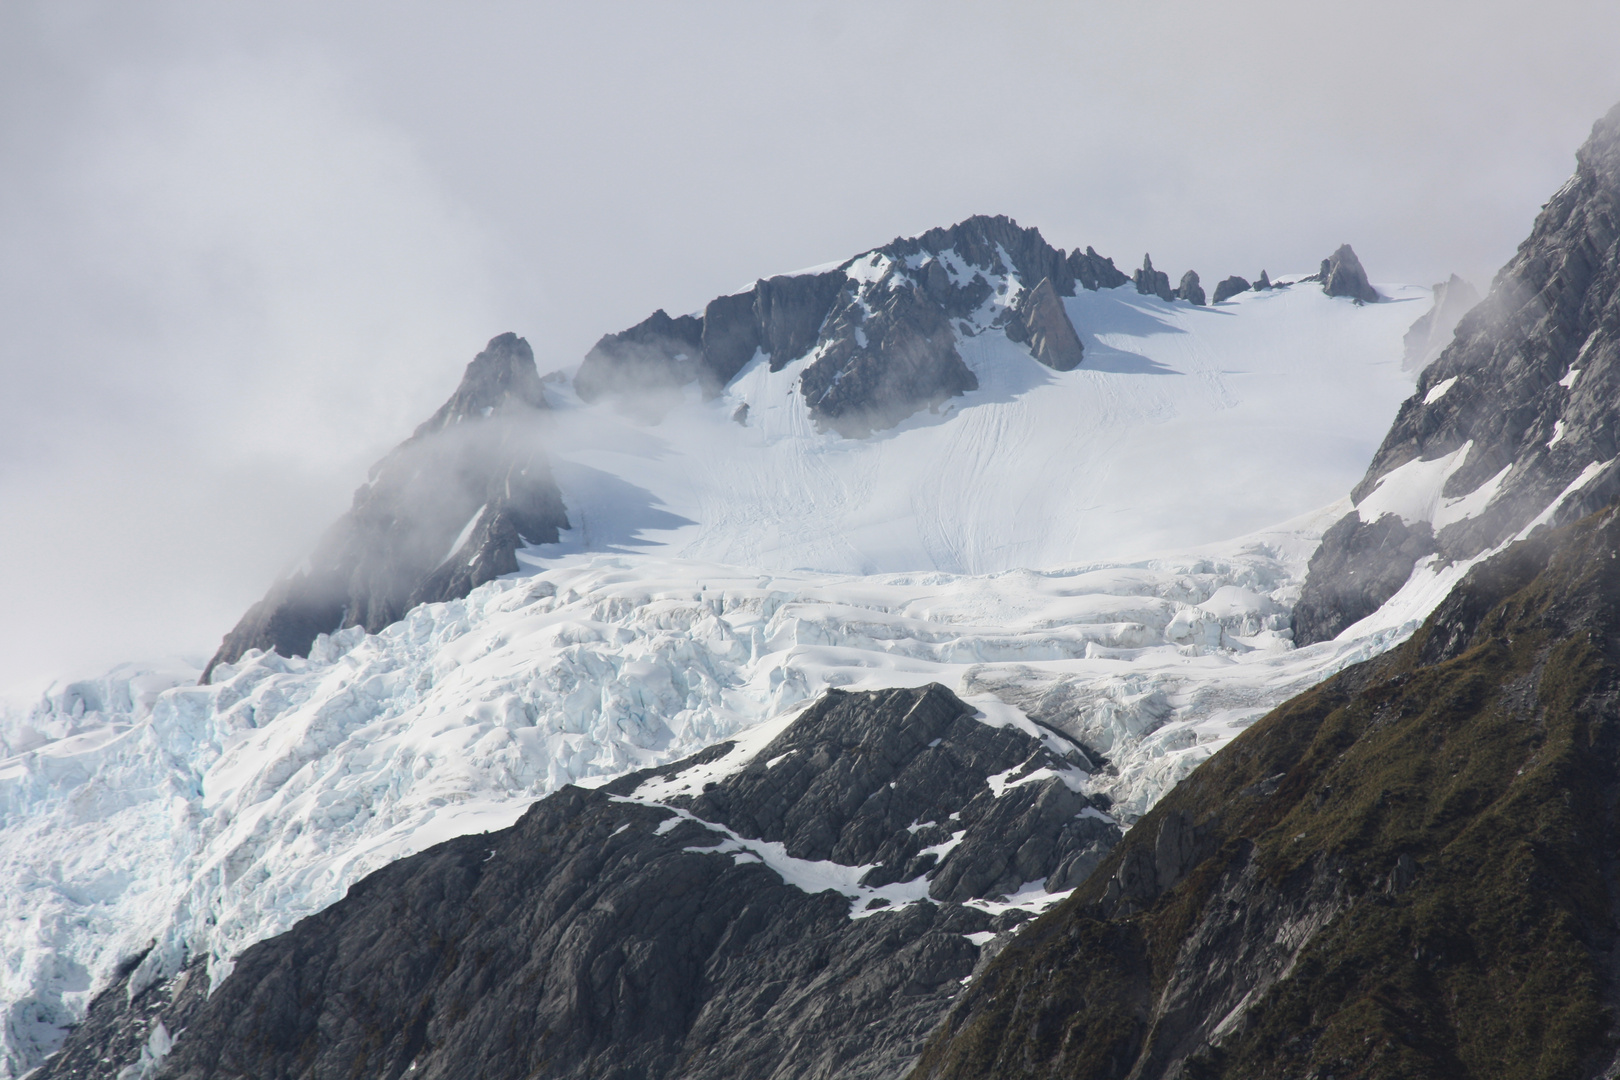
(803, 903)
(441, 514)
(1409, 871)
(1513, 424)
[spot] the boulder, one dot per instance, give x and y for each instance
(1189, 289)
(1151, 282)
(1230, 287)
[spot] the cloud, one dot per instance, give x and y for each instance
(231, 292)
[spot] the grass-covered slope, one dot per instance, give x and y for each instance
(1409, 871)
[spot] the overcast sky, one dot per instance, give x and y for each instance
(244, 248)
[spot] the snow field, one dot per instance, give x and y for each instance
(1184, 426)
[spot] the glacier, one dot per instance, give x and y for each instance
(1055, 546)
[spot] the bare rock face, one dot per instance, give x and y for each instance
(1230, 287)
(1263, 282)
(1341, 275)
(1528, 384)
(1189, 289)
(1052, 337)
(443, 513)
(635, 931)
(875, 370)
(1151, 282)
(1432, 332)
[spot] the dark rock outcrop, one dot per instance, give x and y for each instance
(1094, 272)
(1341, 275)
(875, 370)
(120, 1031)
(884, 325)
(634, 930)
(1357, 567)
(1230, 287)
(1151, 282)
(1432, 332)
(1045, 325)
(1189, 289)
(1263, 282)
(658, 353)
(443, 513)
(1528, 384)
(1408, 871)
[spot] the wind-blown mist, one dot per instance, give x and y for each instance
(247, 249)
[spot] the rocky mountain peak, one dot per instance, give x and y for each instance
(879, 331)
(1341, 275)
(442, 513)
(501, 377)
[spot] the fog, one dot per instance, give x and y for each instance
(246, 248)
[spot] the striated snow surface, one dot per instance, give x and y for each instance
(1184, 426)
(718, 576)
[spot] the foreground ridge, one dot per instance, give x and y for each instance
(1408, 871)
(802, 902)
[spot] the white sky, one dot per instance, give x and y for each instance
(244, 248)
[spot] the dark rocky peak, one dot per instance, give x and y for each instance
(1263, 283)
(1094, 272)
(1230, 287)
(1432, 331)
(881, 328)
(805, 909)
(1151, 282)
(997, 245)
(1380, 879)
(1189, 289)
(1521, 399)
(500, 378)
(657, 353)
(1341, 275)
(443, 513)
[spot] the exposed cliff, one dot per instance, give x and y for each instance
(1514, 421)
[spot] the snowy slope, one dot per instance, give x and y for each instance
(717, 575)
(1185, 425)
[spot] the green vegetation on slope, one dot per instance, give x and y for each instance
(1410, 871)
